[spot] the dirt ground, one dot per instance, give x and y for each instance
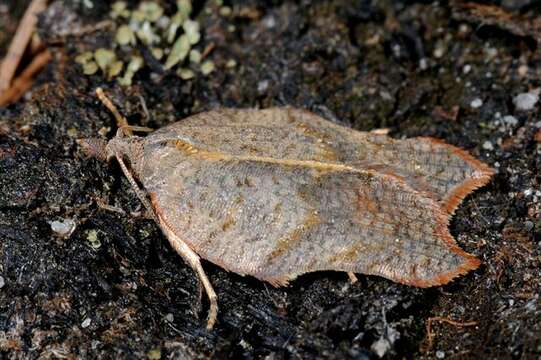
(114, 288)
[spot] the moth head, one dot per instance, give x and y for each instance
(94, 147)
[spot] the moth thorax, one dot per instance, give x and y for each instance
(128, 148)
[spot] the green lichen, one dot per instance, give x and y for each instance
(207, 67)
(171, 39)
(119, 9)
(191, 29)
(125, 35)
(195, 56)
(151, 10)
(179, 51)
(135, 64)
(84, 57)
(93, 240)
(185, 74)
(104, 58)
(90, 68)
(114, 69)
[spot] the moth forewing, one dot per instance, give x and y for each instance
(280, 192)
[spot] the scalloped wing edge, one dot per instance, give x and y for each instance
(481, 177)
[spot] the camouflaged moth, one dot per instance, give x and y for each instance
(280, 192)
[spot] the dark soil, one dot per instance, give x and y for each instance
(412, 67)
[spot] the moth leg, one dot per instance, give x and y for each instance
(352, 277)
(140, 193)
(121, 121)
(193, 260)
(181, 248)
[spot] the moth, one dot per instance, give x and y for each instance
(281, 192)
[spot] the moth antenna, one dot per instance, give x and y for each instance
(121, 121)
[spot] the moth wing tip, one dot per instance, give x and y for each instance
(470, 263)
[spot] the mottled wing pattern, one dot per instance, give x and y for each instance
(282, 196)
(427, 164)
(277, 221)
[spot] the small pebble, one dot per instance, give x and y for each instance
(262, 86)
(466, 69)
(523, 70)
(487, 145)
(63, 227)
(510, 120)
(2, 282)
(423, 64)
(439, 52)
(169, 317)
(225, 11)
(526, 101)
(381, 347)
(440, 354)
(86, 323)
(476, 103)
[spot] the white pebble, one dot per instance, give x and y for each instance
(476, 103)
(86, 323)
(63, 227)
(262, 86)
(439, 52)
(466, 69)
(510, 120)
(381, 347)
(523, 70)
(423, 64)
(487, 145)
(2, 282)
(526, 101)
(440, 354)
(528, 192)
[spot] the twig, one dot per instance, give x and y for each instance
(208, 49)
(24, 81)
(430, 334)
(20, 42)
(493, 15)
(121, 121)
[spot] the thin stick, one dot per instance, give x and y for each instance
(121, 121)
(24, 81)
(430, 334)
(20, 42)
